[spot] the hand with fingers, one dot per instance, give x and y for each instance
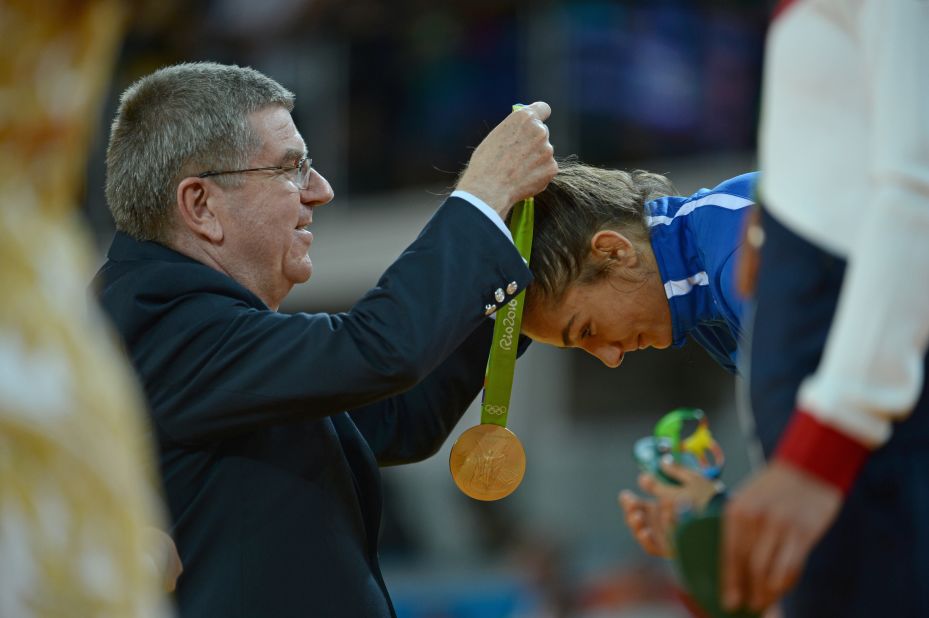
(515, 161)
(769, 528)
(652, 521)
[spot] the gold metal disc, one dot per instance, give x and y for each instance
(487, 462)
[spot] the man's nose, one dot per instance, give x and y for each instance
(317, 192)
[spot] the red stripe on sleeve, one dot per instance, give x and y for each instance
(822, 451)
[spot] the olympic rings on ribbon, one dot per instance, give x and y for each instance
(495, 410)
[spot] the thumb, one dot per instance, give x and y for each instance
(539, 109)
(679, 473)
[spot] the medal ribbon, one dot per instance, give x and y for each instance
(498, 380)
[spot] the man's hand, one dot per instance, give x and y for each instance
(515, 160)
(769, 529)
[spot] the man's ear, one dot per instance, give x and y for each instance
(196, 206)
(614, 246)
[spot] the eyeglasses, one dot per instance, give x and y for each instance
(300, 171)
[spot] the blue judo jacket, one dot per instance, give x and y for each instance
(696, 242)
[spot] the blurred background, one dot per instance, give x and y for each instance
(391, 98)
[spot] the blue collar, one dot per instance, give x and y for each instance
(682, 269)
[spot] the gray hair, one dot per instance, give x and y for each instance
(177, 122)
(579, 202)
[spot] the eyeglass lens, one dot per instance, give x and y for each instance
(302, 173)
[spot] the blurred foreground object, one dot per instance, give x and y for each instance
(76, 489)
(697, 451)
(696, 559)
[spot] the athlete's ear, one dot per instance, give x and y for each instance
(613, 246)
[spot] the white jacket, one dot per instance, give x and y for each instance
(845, 159)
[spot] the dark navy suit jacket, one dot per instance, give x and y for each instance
(271, 426)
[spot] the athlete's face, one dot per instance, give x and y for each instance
(624, 311)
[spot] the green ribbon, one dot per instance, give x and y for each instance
(498, 380)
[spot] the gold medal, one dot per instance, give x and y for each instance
(488, 462)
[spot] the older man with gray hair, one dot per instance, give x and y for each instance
(271, 426)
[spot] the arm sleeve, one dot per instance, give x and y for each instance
(413, 425)
(872, 369)
(238, 367)
(487, 211)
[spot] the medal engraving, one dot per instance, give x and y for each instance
(488, 462)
